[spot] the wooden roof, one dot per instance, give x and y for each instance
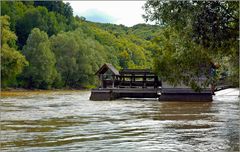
(106, 67)
(136, 71)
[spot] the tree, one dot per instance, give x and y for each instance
(181, 61)
(57, 6)
(12, 61)
(209, 23)
(15, 10)
(65, 49)
(41, 71)
(121, 44)
(35, 18)
(212, 24)
(77, 57)
(63, 12)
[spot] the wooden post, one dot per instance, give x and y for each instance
(117, 81)
(133, 77)
(101, 80)
(144, 80)
(113, 79)
(155, 81)
(131, 81)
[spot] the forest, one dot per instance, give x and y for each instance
(44, 46)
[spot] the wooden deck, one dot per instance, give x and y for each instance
(168, 94)
(141, 83)
(185, 94)
(115, 93)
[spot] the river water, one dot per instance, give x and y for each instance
(69, 121)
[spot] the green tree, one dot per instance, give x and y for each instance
(180, 60)
(65, 49)
(15, 10)
(63, 13)
(57, 6)
(12, 61)
(77, 57)
(36, 18)
(119, 44)
(212, 24)
(41, 71)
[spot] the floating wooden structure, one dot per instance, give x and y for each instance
(133, 83)
(185, 94)
(140, 83)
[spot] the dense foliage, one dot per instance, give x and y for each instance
(63, 50)
(12, 61)
(41, 71)
(213, 25)
(44, 46)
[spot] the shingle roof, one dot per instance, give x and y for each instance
(136, 71)
(105, 67)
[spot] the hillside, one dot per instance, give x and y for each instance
(74, 48)
(45, 46)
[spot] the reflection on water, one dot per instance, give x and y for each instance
(70, 122)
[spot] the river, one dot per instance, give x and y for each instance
(69, 121)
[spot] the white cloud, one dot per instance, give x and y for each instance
(98, 16)
(127, 13)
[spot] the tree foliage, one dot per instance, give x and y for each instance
(212, 24)
(77, 48)
(58, 7)
(36, 18)
(12, 61)
(72, 58)
(41, 71)
(181, 61)
(15, 10)
(66, 51)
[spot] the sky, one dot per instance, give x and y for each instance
(128, 13)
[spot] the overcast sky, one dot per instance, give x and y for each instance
(127, 13)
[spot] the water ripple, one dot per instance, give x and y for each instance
(70, 122)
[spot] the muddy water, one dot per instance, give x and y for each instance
(68, 121)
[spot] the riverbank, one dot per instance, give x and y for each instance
(9, 92)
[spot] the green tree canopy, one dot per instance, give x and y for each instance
(181, 61)
(36, 18)
(78, 57)
(41, 71)
(57, 6)
(15, 10)
(12, 61)
(212, 24)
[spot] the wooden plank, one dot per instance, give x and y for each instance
(136, 71)
(183, 91)
(137, 76)
(135, 91)
(186, 97)
(173, 95)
